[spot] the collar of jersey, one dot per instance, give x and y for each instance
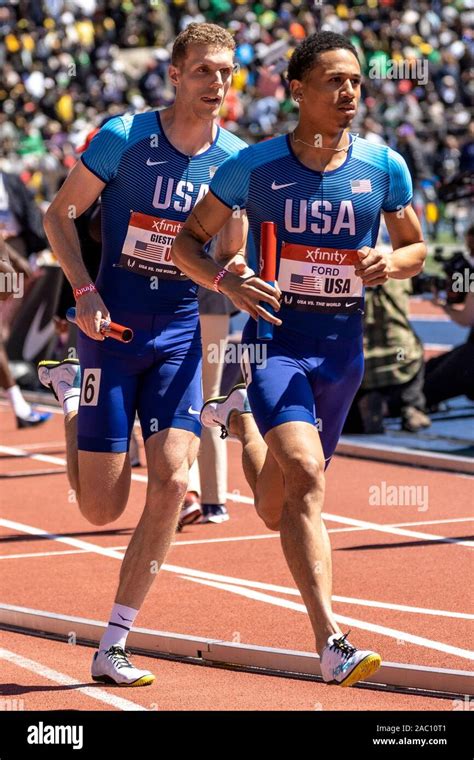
(315, 171)
(184, 155)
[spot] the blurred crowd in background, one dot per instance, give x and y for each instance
(66, 64)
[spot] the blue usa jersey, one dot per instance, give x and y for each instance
(151, 189)
(322, 219)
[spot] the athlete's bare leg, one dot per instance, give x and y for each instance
(288, 482)
(101, 480)
(169, 454)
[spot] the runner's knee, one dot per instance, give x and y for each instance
(272, 523)
(269, 510)
(303, 473)
(168, 492)
(104, 486)
(100, 508)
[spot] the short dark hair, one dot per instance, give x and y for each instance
(305, 55)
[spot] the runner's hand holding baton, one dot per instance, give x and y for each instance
(106, 328)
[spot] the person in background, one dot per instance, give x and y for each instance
(452, 373)
(21, 233)
(7, 272)
(12, 266)
(207, 492)
(20, 218)
(394, 367)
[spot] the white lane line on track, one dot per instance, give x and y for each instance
(364, 524)
(61, 678)
(395, 531)
(44, 445)
(29, 555)
(32, 531)
(284, 589)
(16, 452)
(200, 574)
(364, 625)
(227, 539)
(235, 496)
(195, 574)
(266, 586)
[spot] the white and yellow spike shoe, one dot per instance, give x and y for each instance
(52, 373)
(344, 665)
(216, 411)
(112, 666)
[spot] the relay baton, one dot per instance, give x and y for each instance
(268, 244)
(107, 328)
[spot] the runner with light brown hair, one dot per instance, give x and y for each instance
(150, 169)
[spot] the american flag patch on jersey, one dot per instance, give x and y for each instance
(361, 186)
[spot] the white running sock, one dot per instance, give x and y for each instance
(68, 397)
(20, 406)
(121, 620)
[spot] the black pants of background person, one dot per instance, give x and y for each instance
(450, 375)
(369, 406)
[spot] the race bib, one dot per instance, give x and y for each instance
(147, 246)
(320, 279)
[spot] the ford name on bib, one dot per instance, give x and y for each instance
(320, 279)
(147, 246)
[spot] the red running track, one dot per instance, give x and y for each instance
(378, 568)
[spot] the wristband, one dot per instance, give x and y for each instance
(215, 283)
(78, 292)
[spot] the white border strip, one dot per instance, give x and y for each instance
(401, 455)
(355, 623)
(154, 643)
(192, 573)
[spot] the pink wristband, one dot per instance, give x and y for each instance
(90, 288)
(215, 283)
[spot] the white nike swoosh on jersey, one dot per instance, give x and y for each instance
(353, 303)
(280, 187)
(192, 411)
(154, 163)
(36, 339)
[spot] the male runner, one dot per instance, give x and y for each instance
(325, 190)
(150, 169)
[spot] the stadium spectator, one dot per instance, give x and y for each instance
(68, 63)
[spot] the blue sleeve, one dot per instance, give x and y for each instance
(103, 155)
(230, 183)
(400, 190)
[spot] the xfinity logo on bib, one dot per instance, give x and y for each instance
(300, 216)
(317, 254)
(42, 734)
